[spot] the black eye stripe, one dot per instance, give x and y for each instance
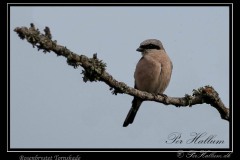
(150, 46)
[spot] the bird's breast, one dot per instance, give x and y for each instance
(153, 73)
(146, 74)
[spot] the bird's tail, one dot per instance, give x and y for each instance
(132, 112)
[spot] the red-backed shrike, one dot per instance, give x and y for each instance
(152, 74)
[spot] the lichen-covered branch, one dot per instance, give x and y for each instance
(94, 70)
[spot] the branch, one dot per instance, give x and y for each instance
(95, 70)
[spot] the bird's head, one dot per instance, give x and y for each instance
(150, 44)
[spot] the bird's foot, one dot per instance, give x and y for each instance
(155, 95)
(165, 97)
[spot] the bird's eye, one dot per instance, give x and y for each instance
(151, 46)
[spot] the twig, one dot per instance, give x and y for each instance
(94, 70)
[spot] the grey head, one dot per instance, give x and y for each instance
(150, 44)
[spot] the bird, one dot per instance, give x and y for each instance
(152, 74)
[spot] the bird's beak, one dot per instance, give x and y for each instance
(139, 49)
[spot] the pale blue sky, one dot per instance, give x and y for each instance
(52, 107)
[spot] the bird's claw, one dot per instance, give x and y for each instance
(165, 97)
(155, 95)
